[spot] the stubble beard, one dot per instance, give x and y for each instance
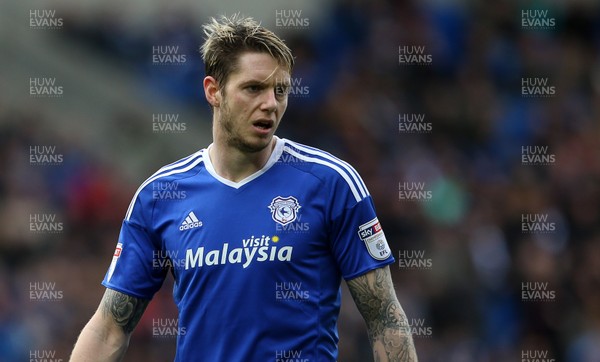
(232, 137)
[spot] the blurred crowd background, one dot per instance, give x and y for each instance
(469, 300)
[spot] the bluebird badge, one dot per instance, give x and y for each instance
(284, 210)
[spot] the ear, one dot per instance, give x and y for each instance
(212, 91)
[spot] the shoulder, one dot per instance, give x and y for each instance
(183, 168)
(325, 166)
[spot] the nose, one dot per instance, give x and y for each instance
(269, 101)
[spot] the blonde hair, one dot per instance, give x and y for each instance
(228, 37)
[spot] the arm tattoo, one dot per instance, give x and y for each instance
(387, 324)
(125, 310)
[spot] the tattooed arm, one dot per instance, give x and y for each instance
(106, 336)
(387, 325)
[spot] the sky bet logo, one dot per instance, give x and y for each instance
(369, 230)
(372, 235)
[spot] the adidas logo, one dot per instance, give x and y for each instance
(190, 222)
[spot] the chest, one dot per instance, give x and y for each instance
(274, 226)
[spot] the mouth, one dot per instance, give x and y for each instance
(264, 125)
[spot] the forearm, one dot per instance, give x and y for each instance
(106, 336)
(98, 343)
(391, 338)
(387, 324)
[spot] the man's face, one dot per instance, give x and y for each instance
(253, 102)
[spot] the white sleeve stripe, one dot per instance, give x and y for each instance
(347, 166)
(359, 182)
(178, 163)
(162, 169)
(357, 196)
(158, 174)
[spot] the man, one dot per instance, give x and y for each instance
(263, 237)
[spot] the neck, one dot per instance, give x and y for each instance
(234, 164)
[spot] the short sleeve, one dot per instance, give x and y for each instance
(136, 268)
(358, 241)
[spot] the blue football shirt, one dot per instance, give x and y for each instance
(257, 263)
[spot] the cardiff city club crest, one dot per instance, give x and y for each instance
(284, 209)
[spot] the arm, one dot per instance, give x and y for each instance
(106, 336)
(387, 325)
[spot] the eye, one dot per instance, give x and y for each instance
(253, 88)
(281, 90)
